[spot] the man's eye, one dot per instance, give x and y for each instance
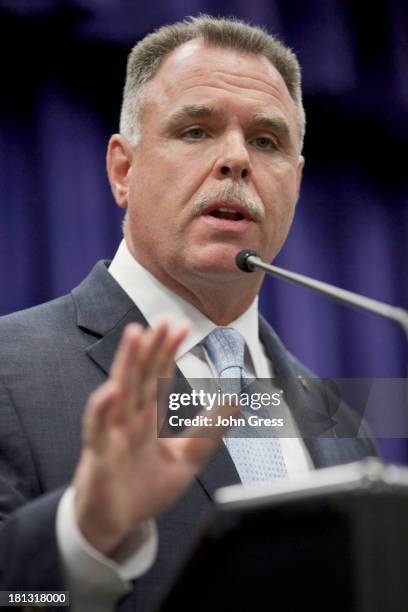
(196, 133)
(263, 142)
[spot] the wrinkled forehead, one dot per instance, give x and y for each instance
(196, 68)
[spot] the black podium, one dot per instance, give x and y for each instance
(334, 541)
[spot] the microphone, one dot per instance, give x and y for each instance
(242, 262)
(248, 260)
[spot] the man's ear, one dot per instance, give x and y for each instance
(299, 172)
(118, 163)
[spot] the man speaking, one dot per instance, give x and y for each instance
(208, 162)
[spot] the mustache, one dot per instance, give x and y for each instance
(230, 193)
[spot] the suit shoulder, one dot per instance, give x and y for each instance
(38, 320)
(32, 339)
(58, 316)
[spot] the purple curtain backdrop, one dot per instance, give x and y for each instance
(63, 64)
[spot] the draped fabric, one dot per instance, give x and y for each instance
(63, 64)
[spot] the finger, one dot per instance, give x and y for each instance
(162, 371)
(151, 345)
(145, 363)
(162, 363)
(128, 365)
(98, 412)
(164, 388)
(129, 343)
(176, 338)
(166, 366)
(125, 373)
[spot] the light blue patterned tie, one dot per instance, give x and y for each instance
(255, 458)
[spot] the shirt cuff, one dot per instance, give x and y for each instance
(96, 582)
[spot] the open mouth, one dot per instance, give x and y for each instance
(228, 212)
(225, 213)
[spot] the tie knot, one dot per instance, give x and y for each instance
(225, 347)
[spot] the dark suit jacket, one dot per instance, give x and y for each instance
(51, 358)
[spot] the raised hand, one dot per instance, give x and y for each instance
(126, 473)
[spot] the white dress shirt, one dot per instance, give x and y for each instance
(97, 582)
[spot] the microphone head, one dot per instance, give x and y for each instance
(242, 262)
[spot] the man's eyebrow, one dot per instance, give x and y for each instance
(202, 111)
(270, 122)
(194, 111)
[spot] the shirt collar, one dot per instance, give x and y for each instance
(155, 299)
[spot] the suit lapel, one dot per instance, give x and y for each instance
(103, 351)
(304, 402)
(309, 407)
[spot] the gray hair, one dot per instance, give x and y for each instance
(148, 54)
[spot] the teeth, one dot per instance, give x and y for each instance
(228, 210)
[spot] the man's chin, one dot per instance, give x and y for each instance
(216, 262)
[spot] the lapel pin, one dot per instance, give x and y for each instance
(304, 382)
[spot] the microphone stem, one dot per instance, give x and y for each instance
(398, 315)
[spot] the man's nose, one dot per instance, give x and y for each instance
(233, 160)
